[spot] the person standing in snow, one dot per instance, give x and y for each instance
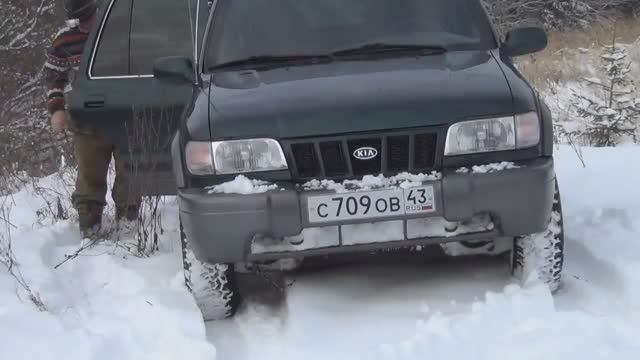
(93, 153)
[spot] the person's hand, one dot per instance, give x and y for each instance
(59, 121)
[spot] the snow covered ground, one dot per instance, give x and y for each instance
(108, 305)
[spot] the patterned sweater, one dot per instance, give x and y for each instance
(63, 59)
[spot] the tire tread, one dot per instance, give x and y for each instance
(542, 252)
(212, 285)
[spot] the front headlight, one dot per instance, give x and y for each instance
(497, 134)
(234, 157)
(244, 156)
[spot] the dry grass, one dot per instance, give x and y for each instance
(562, 61)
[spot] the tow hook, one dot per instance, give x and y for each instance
(451, 226)
(296, 240)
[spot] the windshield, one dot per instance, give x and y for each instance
(243, 29)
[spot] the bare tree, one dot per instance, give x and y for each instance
(26, 28)
(555, 14)
(147, 141)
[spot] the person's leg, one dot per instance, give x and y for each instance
(93, 156)
(126, 191)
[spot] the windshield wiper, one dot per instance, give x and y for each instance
(384, 48)
(271, 61)
(267, 61)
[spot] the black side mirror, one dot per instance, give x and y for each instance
(524, 40)
(174, 68)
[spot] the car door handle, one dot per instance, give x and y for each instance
(94, 102)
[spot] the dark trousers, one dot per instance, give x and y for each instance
(93, 154)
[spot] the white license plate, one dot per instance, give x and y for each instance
(371, 204)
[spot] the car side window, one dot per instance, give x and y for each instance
(110, 59)
(159, 31)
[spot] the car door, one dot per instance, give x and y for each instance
(115, 91)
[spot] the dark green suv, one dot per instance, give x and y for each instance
(291, 129)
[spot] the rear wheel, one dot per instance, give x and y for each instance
(542, 253)
(212, 285)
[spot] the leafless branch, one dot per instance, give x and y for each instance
(8, 260)
(78, 252)
(148, 138)
(24, 29)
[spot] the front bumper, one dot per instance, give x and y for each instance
(224, 228)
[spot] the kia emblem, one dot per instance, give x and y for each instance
(365, 153)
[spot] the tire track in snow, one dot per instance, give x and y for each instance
(595, 282)
(342, 310)
(64, 240)
(256, 331)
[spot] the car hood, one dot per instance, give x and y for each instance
(356, 96)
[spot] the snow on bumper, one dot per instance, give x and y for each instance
(273, 223)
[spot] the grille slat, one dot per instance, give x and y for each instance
(397, 153)
(425, 151)
(333, 157)
(346, 155)
(306, 160)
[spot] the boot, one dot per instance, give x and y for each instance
(92, 232)
(90, 219)
(129, 213)
(127, 220)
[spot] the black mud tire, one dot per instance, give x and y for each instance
(213, 286)
(542, 252)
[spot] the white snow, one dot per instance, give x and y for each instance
(616, 56)
(593, 80)
(242, 185)
(106, 304)
(470, 308)
(488, 168)
(110, 305)
(585, 75)
(370, 182)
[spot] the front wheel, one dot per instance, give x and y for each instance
(212, 285)
(542, 253)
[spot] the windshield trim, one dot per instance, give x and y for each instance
(495, 36)
(205, 38)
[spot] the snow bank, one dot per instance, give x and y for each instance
(517, 323)
(103, 305)
(108, 305)
(602, 217)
